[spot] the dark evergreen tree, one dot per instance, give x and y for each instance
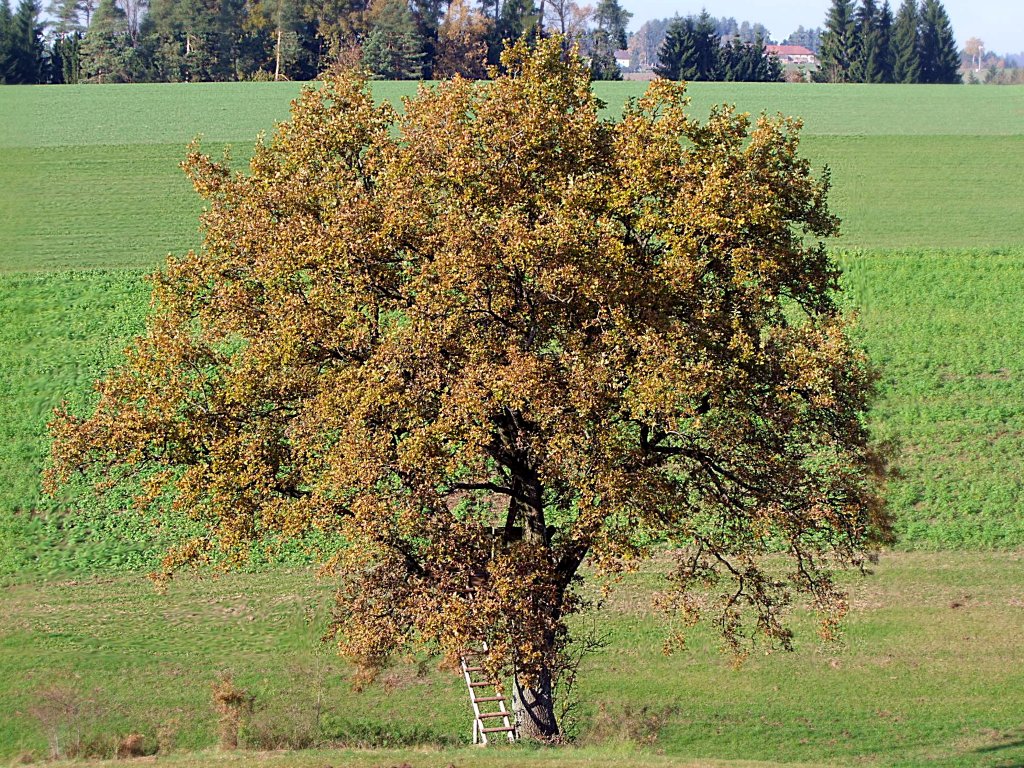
(838, 47)
(692, 51)
(66, 59)
(687, 53)
(26, 63)
(610, 19)
(883, 31)
(6, 43)
(106, 53)
(749, 62)
(199, 40)
(940, 58)
(906, 53)
(735, 64)
(428, 14)
(394, 50)
(676, 53)
(708, 45)
(864, 65)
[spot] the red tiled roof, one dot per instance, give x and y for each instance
(789, 50)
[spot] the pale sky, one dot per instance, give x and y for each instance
(999, 23)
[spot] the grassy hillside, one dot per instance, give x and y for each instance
(944, 326)
(173, 113)
(98, 207)
(945, 329)
(912, 166)
(91, 207)
(929, 673)
(925, 191)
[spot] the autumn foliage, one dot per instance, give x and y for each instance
(495, 337)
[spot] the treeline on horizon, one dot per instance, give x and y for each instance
(703, 48)
(111, 41)
(867, 44)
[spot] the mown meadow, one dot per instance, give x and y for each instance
(929, 182)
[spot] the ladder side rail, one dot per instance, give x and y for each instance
(479, 737)
(507, 720)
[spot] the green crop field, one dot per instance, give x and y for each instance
(933, 167)
(929, 182)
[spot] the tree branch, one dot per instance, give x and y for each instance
(493, 487)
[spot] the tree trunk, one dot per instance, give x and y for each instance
(277, 57)
(534, 709)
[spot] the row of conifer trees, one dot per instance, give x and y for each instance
(180, 40)
(867, 44)
(693, 49)
(196, 40)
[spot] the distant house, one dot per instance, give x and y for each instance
(793, 54)
(622, 59)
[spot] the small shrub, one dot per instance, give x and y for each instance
(64, 714)
(97, 745)
(132, 745)
(232, 704)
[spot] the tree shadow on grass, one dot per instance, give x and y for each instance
(1007, 741)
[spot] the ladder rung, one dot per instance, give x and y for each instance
(488, 698)
(480, 685)
(474, 669)
(496, 730)
(494, 714)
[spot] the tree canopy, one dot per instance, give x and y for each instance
(495, 338)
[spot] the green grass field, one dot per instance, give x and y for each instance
(930, 184)
(943, 325)
(929, 672)
(931, 167)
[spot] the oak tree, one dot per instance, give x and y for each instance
(498, 342)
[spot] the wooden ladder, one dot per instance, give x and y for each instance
(481, 729)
